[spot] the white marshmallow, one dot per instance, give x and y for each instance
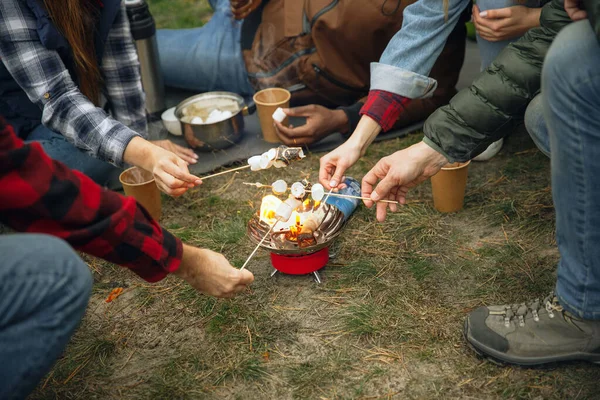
(279, 187)
(197, 121)
(265, 161)
(272, 154)
(254, 163)
(284, 210)
(317, 192)
(298, 190)
(279, 115)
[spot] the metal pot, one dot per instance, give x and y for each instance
(216, 136)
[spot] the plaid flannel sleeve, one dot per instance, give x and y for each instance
(121, 72)
(38, 194)
(384, 107)
(43, 76)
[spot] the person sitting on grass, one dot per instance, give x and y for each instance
(565, 325)
(320, 51)
(45, 285)
(60, 61)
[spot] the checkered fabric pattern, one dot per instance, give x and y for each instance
(384, 107)
(38, 194)
(43, 76)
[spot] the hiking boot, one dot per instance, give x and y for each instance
(533, 333)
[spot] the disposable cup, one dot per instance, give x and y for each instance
(140, 184)
(267, 101)
(448, 187)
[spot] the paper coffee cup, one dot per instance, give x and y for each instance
(267, 102)
(140, 184)
(448, 187)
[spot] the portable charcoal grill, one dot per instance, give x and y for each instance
(291, 256)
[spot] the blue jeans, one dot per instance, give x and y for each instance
(44, 289)
(571, 102)
(58, 148)
(208, 58)
(488, 51)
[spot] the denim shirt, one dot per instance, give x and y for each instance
(408, 58)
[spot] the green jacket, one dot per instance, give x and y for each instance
(496, 101)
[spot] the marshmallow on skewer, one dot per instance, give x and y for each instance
(317, 192)
(265, 161)
(279, 115)
(279, 187)
(298, 190)
(284, 210)
(254, 163)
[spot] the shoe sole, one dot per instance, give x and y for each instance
(503, 359)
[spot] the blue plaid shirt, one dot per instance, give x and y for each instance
(43, 76)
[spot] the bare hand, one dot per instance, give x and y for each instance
(171, 173)
(211, 273)
(187, 155)
(398, 173)
(242, 8)
(505, 23)
(334, 164)
(575, 10)
(320, 122)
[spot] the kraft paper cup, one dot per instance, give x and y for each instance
(139, 184)
(448, 187)
(267, 101)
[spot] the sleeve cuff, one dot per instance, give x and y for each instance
(437, 148)
(352, 113)
(401, 81)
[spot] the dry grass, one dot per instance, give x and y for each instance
(385, 323)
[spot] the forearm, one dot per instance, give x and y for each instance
(141, 153)
(408, 58)
(41, 195)
(365, 133)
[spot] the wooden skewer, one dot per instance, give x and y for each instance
(257, 247)
(260, 185)
(225, 172)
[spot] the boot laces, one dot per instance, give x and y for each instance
(519, 311)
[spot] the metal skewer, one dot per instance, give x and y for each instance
(225, 172)
(260, 185)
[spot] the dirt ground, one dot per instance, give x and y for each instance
(385, 323)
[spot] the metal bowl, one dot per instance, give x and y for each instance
(330, 228)
(219, 135)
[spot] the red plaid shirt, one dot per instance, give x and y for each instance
(384, 107)
(38, 194)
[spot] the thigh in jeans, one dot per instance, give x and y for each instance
(45, 288)
(208, 58)
(58, 148)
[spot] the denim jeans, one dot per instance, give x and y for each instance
(488, 51)
(208, 58)
(571, 104)
(60, 149)
(44, 291)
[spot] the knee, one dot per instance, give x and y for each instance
(73, 277)
(576, 43)
(536, 125)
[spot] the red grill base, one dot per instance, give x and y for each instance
(300, 264)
